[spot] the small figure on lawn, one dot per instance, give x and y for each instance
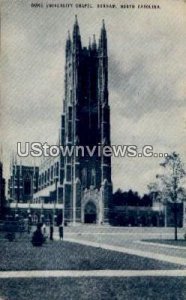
(38, 238)
(61, 231)
(51, 231)
(44, 231)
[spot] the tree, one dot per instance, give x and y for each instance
(172, 190)
(155, 192)
(129, 198)
(118, 197)
(146, 200)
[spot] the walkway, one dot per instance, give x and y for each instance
(93, 273)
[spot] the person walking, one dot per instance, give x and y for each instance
(51, 232)
(61, 231)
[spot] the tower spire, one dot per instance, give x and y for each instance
(68, 42)
(103, 40)
(89, 43)
(103, 36)
(76, 27)
(68, 35)
(94, 42)
(103, 24)
(76, 34)
(1, 153)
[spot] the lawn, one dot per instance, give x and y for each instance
(60, 255)
(138, 288)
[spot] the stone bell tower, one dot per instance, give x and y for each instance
(86, 179)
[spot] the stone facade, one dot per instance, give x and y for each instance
(81, 184)
(86, 122)
(23, 183)
(2, 191)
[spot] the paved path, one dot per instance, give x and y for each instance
(153, 255)
(93, 273)
(131, 241)
(162, 245)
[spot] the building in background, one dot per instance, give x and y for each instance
(184, 214)
(23, 193)
(23, 183)
(2, 191)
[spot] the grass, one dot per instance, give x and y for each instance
(59, 255)
(138, 288)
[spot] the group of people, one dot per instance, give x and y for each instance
(40, 234)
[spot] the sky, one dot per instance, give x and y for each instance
(147, 78)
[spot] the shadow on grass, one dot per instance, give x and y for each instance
(60, 255)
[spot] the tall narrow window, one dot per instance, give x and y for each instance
(27, 185)
(93, 177)
(84, 177)
(70, 113)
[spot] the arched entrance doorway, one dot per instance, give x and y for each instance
(90, 213)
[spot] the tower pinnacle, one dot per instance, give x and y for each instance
(94, 42)
(76, 34)
(76, 26)
(68, 42)
(103, 30)
(103, 24)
